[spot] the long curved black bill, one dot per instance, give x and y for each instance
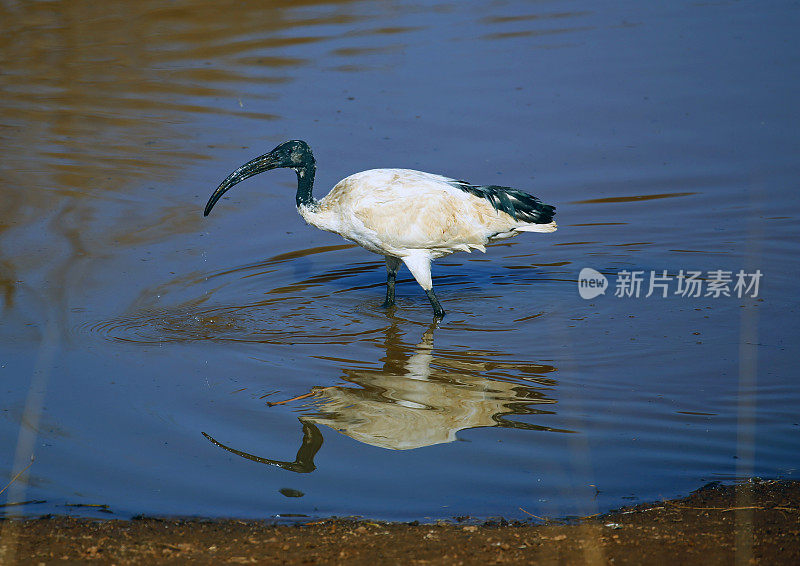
(253, 167)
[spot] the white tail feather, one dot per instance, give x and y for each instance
(551, 227)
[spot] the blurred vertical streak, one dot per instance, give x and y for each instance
(580, 452)
(28, 433)
(748, 382)
(745, 438)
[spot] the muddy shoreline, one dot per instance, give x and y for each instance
(754, 522)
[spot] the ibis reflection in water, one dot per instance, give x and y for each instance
(407, 216)
(419, 399)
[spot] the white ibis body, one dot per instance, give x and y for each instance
(407, 216)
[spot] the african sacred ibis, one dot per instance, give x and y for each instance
(404, 215)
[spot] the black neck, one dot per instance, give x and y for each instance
(305, 183)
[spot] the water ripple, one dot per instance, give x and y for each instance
(266, 323)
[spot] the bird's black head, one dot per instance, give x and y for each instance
(294, 154)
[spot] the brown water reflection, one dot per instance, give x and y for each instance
(98, 99)
(632, 198)
(420, 397)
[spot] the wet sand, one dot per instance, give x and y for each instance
(756, 522)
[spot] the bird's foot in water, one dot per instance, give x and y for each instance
(438, 311)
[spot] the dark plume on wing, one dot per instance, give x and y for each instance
(518, 204)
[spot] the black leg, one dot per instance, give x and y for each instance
(392, 265)
(420, 267)
(438, 311)
(390, 280)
